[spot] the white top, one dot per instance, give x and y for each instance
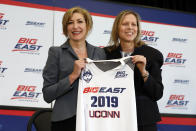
(106, 97)
(125, 54)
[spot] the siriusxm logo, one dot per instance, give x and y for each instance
(177, 81)
(120, 74)
(33, 70)
(179, 40)
(87, 76)
(34, 23)
(106, 32)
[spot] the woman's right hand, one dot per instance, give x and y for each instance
(78, 66)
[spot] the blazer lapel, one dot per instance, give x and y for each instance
(67, 46)
(90, 50)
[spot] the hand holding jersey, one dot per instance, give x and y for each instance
(78, 66)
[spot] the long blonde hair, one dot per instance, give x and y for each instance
(114, 38)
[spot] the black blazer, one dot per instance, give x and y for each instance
(149, 92)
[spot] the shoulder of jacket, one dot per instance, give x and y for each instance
(55, 48)
(151, 54)
(151, 49)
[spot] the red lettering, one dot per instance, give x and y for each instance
(1, 15)
(26, 88)
(147, 33)
(27, 41)
(32, 41)
(174, 55)
(91, 89)
(22, 40)
(176, 97)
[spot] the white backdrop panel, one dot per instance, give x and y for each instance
(28, 33)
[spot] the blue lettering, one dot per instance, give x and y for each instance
(116, 90)
(177, 103)
(17, 93)
(146, 38)
(32, 47)
(3, 22)
(27, 47)
(111, 90)
(24, 94)
(167, 59)
(37, 94)
(31, 94)
(102, 89)
(175, 61)
(2, 69)
(17, 46)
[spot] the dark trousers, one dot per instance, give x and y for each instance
(65, 125)
(147, 128)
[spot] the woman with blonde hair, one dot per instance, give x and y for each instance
(125, 40)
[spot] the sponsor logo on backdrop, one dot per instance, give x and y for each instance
(181, 82)
(149, 37)
(107, 32)
(175, 59)
(27, 46)
(26, 93)
(177, 102)
(35, 23)
(180, 40)
(2, 69)
(3, 22)
(33, 70)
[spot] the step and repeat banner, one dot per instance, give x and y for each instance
(27, 33)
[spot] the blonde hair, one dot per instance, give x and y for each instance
(114, 38)
(67, 16)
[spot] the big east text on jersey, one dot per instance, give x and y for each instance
(103, 90)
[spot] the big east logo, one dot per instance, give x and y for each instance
(3, 22)
(148, 36)
(174, 59)
(177, 101)
(27, 45)
(103, 90)
(25, 93)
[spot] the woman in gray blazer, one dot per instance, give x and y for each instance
(63, 67)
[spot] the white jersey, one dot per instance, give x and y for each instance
(106, 97)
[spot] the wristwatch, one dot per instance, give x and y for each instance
(146, 74)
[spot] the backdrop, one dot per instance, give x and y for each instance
(28, 30)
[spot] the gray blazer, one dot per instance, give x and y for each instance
(56, 85)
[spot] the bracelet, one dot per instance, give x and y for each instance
(146, 74)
